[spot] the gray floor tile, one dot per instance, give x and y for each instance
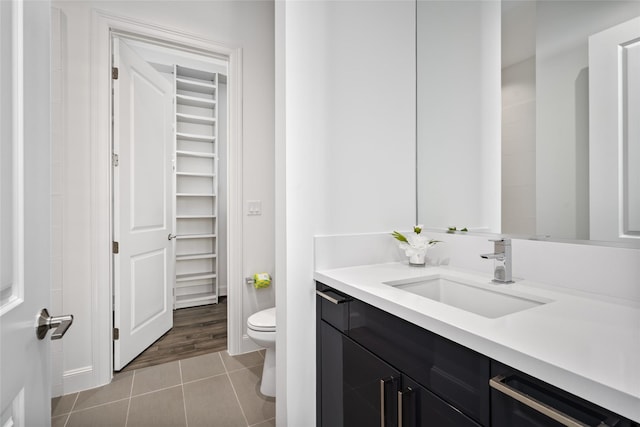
(109, 415)
(268, 423)
(247, 360)
(159, 400)
(256, 407)
(59, 421)
(160, 408)
(119, 388)
(63, 404)
(156, 378)
(212, 402)
(196, 368)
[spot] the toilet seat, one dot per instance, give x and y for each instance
(263, 321)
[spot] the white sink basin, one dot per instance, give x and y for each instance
(487, 300)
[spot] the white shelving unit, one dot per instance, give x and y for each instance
(196, 186)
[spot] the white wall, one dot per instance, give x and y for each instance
(459, 114)
(247, 24)
(519, 148)
(345, 155)
(562, 109)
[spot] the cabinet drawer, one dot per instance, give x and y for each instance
(333, 307)
(520, 400)
(455, 373)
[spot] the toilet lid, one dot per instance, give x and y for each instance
(264, 320)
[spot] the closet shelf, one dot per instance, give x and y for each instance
(195, 195)
(190, 257)
(195, 154)
(199, 86)
(192, 118)
(194, 276)
(195, 236)
(195, 299)
(195, 137)
(195, 73)
(181, 287)
(195, 101)
(196, 186)
(196, 174)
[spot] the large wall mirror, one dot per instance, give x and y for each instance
(505, 90)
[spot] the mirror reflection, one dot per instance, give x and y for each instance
(503, 127)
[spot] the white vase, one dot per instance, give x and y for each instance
(417, 259)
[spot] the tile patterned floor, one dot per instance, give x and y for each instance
(214, 389)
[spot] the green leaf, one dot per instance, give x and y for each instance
(464, 229)
(399, 237)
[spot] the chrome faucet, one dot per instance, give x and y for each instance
(502, 256)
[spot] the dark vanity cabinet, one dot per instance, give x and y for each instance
(375, 369)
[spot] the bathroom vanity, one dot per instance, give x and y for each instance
(391, 352)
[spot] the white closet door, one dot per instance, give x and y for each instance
(614, 133)
(144, 266)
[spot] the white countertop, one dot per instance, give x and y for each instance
(586, 346)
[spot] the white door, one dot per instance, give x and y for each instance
(142, 185)
(25, 371)
(614, 133)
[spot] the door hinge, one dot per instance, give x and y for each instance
(115, 159)
(116, 334)
(116, 247)
(114, 73)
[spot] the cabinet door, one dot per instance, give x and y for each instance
(455, 373)
(356, 388)
(421, 408)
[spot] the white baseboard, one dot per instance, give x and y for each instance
(78, 380)
(57, 390)
(246, 346)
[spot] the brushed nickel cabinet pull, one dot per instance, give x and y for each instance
(332, 299)
(498, 383)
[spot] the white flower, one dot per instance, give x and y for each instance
(416, 244)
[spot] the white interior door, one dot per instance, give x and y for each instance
(614, 133)
(25, 372)
(142, 185)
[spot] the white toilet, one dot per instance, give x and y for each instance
(261, 328)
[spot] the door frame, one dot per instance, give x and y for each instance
(103, 25)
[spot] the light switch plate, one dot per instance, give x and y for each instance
(254, 207)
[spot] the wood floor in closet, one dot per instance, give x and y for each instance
(196, 331)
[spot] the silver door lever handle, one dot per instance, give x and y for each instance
(46, 322)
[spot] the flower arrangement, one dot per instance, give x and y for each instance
(415, 245)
